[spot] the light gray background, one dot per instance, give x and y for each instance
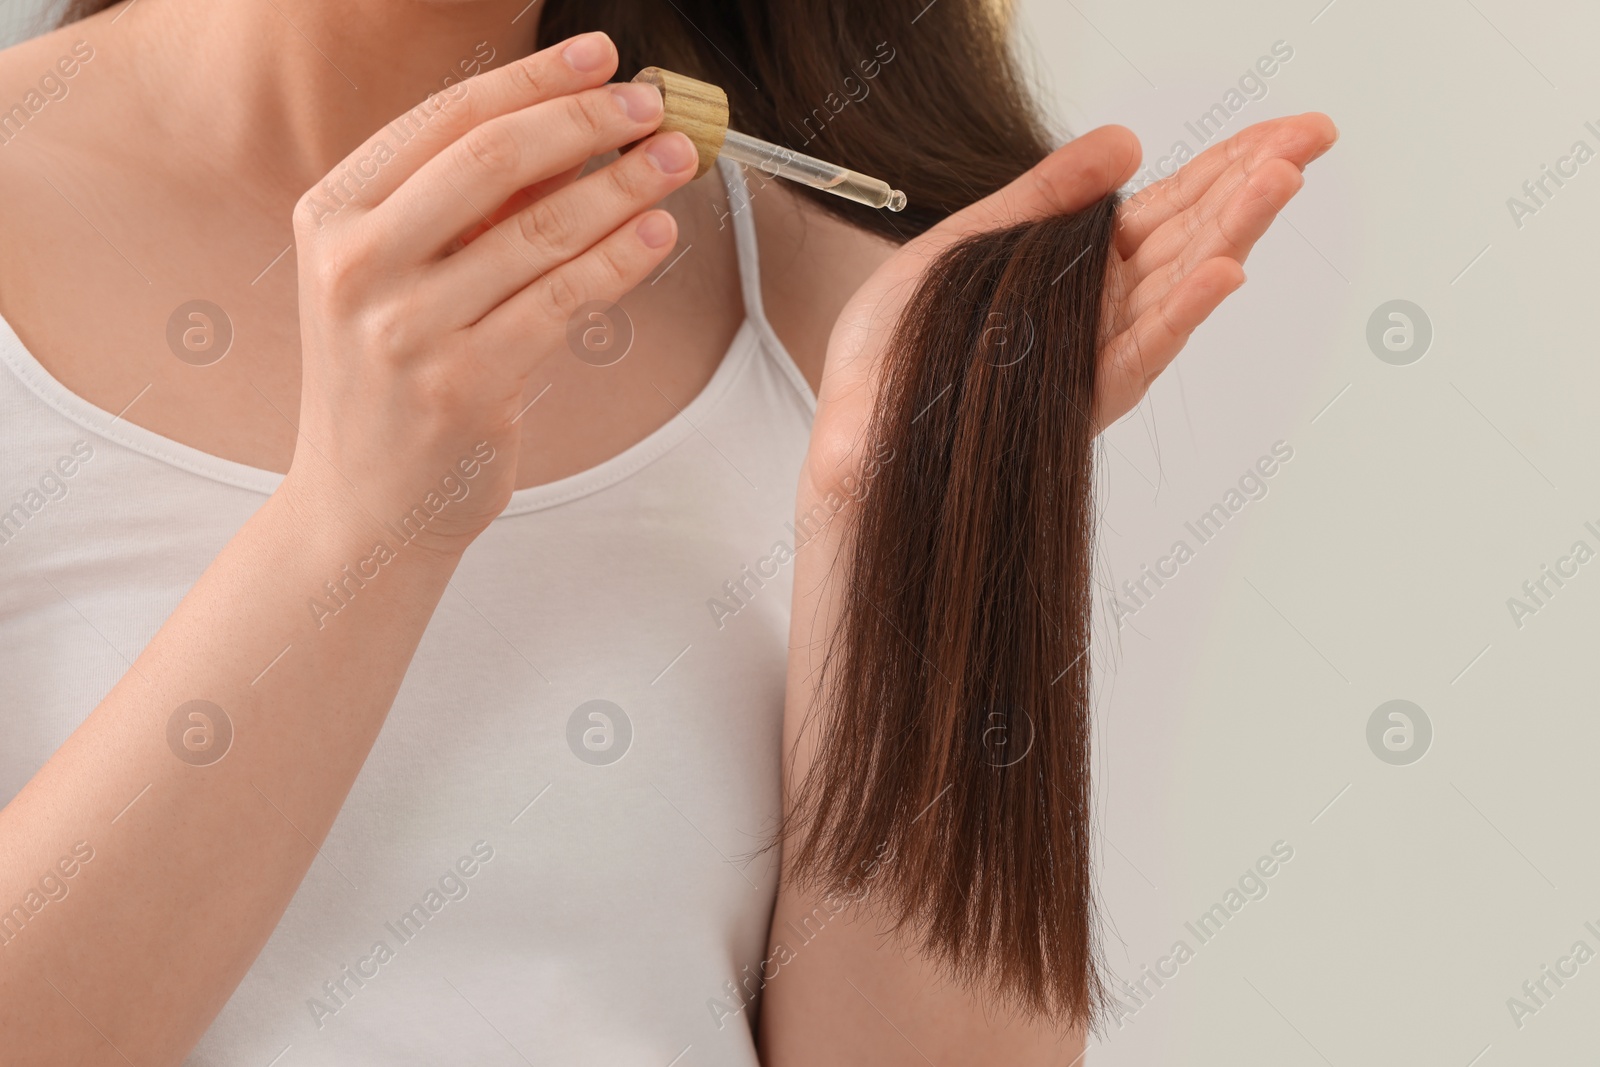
(1234, 706)
(1380, 562)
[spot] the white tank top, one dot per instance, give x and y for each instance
(548, 857)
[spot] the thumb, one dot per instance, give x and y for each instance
(1077, 174)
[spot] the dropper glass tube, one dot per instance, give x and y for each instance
(783, 162)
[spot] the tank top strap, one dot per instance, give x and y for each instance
(744, 234)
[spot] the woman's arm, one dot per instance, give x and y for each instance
(186, 884)
(840, 990)
(416, 352)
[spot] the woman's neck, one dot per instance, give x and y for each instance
(314, 79)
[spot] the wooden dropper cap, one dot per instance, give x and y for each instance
(695, 108)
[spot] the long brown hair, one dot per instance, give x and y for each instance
(956, 688)
(956, 684)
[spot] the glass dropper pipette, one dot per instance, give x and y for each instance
(700, 110)
(809, 170)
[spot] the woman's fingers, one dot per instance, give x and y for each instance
(392, 155)
(1072, 177)
(1133, 358)
(1183, 242)
(519, 200)
(1069, 179)
(466, 183)
(1232, 230)
(1205, 220)
(1158, 203)
(605, 273)
(1298, 139)
(563, 224)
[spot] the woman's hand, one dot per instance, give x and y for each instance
(417, 343)
(436, 273)
(1180, 248)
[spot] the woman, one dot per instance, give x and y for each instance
(316, 384)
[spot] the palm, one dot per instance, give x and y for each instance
(1180, 247)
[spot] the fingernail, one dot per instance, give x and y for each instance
(641, 103)
(672, 152)
(587, 53)
(656, 229)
